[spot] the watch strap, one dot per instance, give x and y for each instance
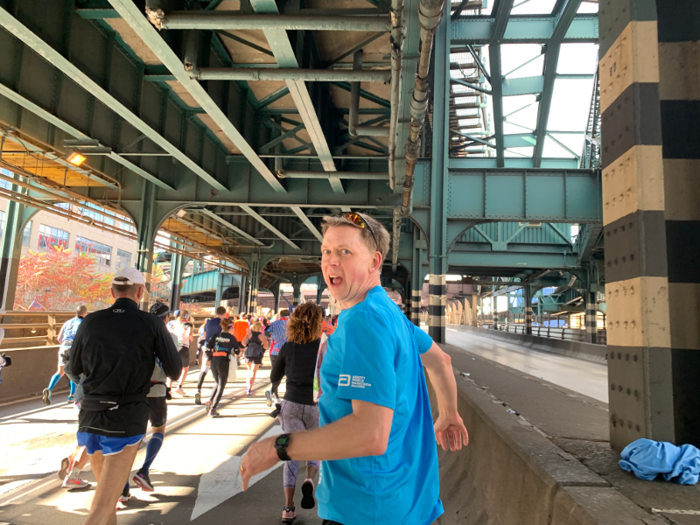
(281, 444)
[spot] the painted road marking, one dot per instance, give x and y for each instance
(222, 479)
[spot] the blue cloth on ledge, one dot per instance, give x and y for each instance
(646, 459)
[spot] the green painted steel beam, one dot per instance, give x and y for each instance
(227, 224)
(522, 163)
(281, 46)
(138, 22)
(272, 98)
(519, 140)
(525, 195)
(63, 126)
(96, 13)
(307, 222)
(460, 262)
(47, 52)
(563, 20)
(268, 225)
(522, 86)
(496, 34)
(365, 94)
(523, 29)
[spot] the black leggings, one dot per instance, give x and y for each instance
(219, 369)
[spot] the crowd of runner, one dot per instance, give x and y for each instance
(355, 402)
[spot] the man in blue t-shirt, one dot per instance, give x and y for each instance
(65, 339)
(377, 437)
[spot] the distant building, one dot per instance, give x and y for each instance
(111, 251)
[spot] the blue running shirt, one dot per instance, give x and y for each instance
(374, 356)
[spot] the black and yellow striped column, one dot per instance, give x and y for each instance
(415, 306)
(679, 94)
(636, 271)
(437, 299)
(527, 302)
(591, 317)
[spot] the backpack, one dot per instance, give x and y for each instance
(254, 348)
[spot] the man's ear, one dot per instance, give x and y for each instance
(112, 292)
(377, 261)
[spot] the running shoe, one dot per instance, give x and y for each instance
(71, 399)
(268, 398)
(73, 481)
(276, 411)
(307, 489)
(181, 392)
(198, 398)
(214, 413)
(249, 392)
(143, 481)
(288, 515)
(47, 396)
(66, 466)
(126, 496)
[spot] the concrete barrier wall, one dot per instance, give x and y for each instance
(576, 349)
(511, 474)
(30, 373)
(32, 369)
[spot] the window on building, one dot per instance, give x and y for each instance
(102, 252)
(123, 259)
(26, 236)
(49, 236)
(5, 184)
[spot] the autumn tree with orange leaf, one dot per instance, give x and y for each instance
(57, 280)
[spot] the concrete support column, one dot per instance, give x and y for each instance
(145, 238)
(176, 268)
(527, 302)
(591, 317)
(650, 136)
(438, 185)
(475, 310)
(11, 251)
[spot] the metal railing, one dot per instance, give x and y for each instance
(554, 332)
(30, 329)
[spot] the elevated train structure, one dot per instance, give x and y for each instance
(235, 126)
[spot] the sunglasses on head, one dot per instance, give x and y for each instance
(360, 222)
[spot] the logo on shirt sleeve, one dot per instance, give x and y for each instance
(352, 381)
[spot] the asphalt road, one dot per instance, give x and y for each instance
(581, 376)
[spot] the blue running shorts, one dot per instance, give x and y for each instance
(106, 445)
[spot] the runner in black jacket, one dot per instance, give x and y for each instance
(115, 349)
(220, 348)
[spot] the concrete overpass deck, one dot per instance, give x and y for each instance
(539, 454)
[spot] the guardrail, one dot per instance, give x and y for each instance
(554, 332)
(29, 329)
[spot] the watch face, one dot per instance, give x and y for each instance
(282, 441)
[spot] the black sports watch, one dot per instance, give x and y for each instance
(281, 444)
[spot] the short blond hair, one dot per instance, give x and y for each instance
(256, 326)
(383, 237)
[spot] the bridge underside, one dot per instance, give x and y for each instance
(234, 129)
